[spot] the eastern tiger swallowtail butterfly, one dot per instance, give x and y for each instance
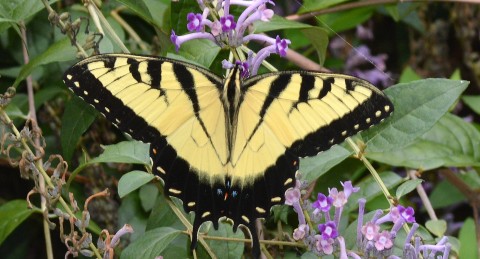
(226, 147)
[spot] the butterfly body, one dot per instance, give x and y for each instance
(226, 147)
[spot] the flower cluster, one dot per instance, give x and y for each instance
(373, 237)
(226, 32)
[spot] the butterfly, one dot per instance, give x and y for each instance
(227, 147)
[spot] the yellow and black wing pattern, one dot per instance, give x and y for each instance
(226, 147)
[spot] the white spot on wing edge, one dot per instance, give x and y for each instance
(205, 214)
(276, 199)
(174, 191)
(245, 218)
(69, 77)
(260, 210)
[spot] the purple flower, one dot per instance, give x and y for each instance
(328, 230)
(339, 198)
(292, 196)
(282, 46)
(407, 213)
(349, 189)
(179, 40)
(300, 232)
(227, 23)
(243, 66)
(324, 245)
(174, 39)
(322, 203)
(194, 22)
(383, 241)
(370, 230)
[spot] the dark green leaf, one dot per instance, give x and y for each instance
(451, 142)
(15, 11)
(153, 11)
(131, 212)
(445, 194)
(407, 187)
(76, 119)
(319, 39)
(61, 50)
(341, 21)
(226, 249)
(12, 214)
(278, 23)
(163, 216)
(131, 181)
(151, 244)
(148, 195)
(418, 106)
(468, 240)
(189, 52)
(133, 152)
(473, 102)
(437, 227)
(408, 75)
(313, 167)
(315, 5)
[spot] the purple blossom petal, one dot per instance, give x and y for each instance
(383, 241)
(194, 22)
(292, 196)
(323, 202)
(339, 198)
(349, 189)
(228, 23)
(300, 232)
(324, 245)
(174, 39)
(328, 230)
(282, 46)
(370, 230)
(407, 213)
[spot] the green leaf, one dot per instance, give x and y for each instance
(315, 5)
(445, 194)
(341, 21)
(437, 227)
(226, 249)
(15, 11)
(132, 152)
(148, 195)
(319, 39)
(76, 119)
(155, 12)
(278, 23)
(468, 240)
(313, 167)
(451, 142)
(61, 50)
(12, 214)
(408, 75)
(151, 243)
(418, 106)
(163, 216)
(473, 102)
(189, 52)
(407, 187)
(131, 181)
